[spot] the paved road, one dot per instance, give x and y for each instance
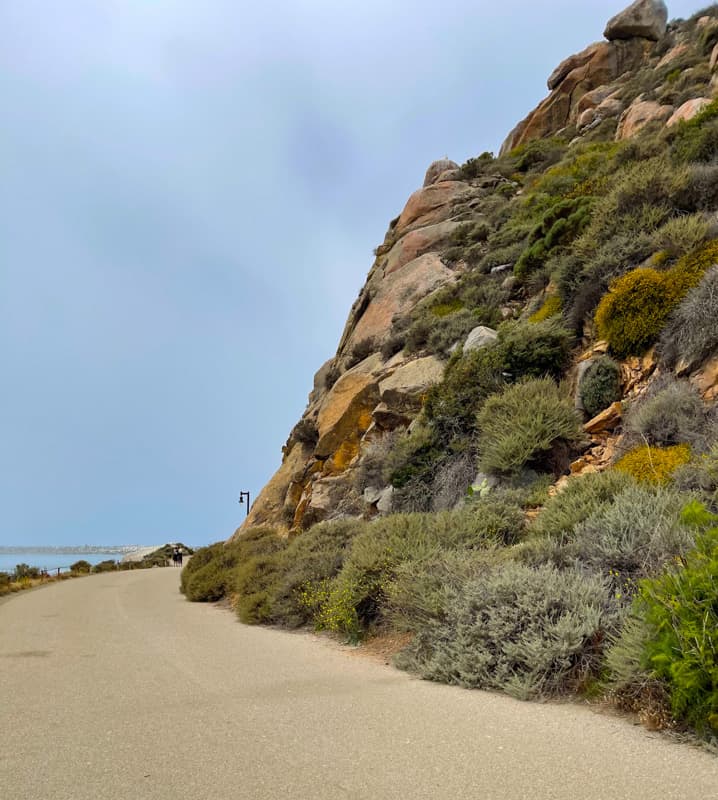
(113, 686)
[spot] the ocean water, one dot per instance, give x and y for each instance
(52, 561)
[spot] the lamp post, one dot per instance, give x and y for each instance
(244, 498)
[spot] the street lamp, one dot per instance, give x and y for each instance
(244, 498)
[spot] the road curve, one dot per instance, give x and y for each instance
(114, 686)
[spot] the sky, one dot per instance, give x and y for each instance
(191, 191)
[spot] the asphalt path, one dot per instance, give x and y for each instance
(113, 686)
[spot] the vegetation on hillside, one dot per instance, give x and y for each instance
(608, 587)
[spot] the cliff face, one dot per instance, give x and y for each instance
(457, 230)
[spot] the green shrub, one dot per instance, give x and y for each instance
(633, 536)
(413, 454)
(108, 565)
(476, 167)
(26, 572)
(528, 632)
(255, 582)
(81, 567)
(356, 599)
(470, 378)
(700, 475)
(312, 558)
(600, 385)
(697, 138)
(208, 584)
(654, 464)
(256, 570)
(202, 557)
(539, 153)
(550, 308)
(682, 234)
(208, 577)
(583, 496)
(535, 349)
(681, 610)
(631, 682)
(633, 313)
(529, 423)
(691, 334)
(561, 223)
(673, 415)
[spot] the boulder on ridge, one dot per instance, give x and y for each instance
(645, 19)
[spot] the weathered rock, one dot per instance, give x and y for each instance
(605, 421)
(345, 413)
(396, 294)
(611, 107)
(268, 507)
(603, 62)
(437, 168)
(594, 98)
(587, 118)
(644, 18)
(639, 114)
(479, 337)
(688, 110)
(388, 419)
(416, 243)
(706, 379)
(674, 53)
(385, 502)
(327, 495)
(569, 64)
(714, 58)
(430, 205)
(403, 389)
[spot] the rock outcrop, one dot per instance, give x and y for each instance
(644, 18)
(368, 393)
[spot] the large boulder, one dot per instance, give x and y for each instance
(438, 168)
(402, 390)
(479, 337)
(417, 242)
(430, 205)
(396, 294)
(646, 19)
(688, 110)
(345, 413)
(597, 66)
(639, 114)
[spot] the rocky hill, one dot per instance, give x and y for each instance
(519, 256)
(510, 467)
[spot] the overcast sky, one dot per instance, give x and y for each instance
(191, 191)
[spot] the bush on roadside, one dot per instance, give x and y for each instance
(633, 536)
(81, 567)
(108, 565)
(583, 496)
(257, 568)
(206, 576)
(529, 424)
(680, 608)
(356, 599)
(600, 386)
(528, 632)
(312, 558)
